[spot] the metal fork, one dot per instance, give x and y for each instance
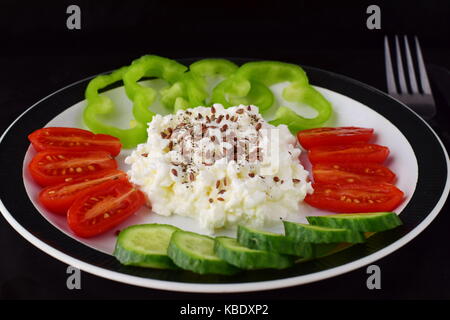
(422, 101)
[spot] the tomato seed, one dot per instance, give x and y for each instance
(91, 167)
(79, 170)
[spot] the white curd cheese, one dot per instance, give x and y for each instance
(222, 167)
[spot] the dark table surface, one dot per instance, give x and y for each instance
(53, 59)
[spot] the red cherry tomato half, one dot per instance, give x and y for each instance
(59, 198)
(333, 136)
(54, 167)
(104, 207)
(344, 173)
(358, 152)
(73, 139)
(354, 198)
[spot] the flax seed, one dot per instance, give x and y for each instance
(224, 128)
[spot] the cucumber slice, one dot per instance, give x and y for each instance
(145, 245)
(268, 241)
(195, 252)
(318, 234)
(363, 222)
(234, 253)
(274, 242)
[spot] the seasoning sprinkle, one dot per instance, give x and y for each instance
(174, 172)
(224, 128)
(276, 179)
(240, 111)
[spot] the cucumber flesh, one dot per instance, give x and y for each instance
(145, 245)
(362, 222)
(195, 252)
(318, 234)
(234, 253)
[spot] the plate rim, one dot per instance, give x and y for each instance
(231, 287)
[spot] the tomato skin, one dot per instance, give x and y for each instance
(49, 168)
(355, 198)
(118, 199)
(73, 139)
(358, 152)
(330, 136)
(60, 197)
(344, 173)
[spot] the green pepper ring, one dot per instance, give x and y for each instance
(258, 95)
(191, 89)
(144, 97)
(100, 104)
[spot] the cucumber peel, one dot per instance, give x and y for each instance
(234, 253)
(362, 222)
(317, 234)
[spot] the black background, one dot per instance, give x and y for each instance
(39, 55)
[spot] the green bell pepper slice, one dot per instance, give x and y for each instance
(102, 105)
(246, 85)
(192, 89)
(249, 85)
(144, 97)
(306, 94)
(258, 95)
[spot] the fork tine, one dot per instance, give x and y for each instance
(392, 88)
(422, 71)
(401, 73)
(411, 73)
